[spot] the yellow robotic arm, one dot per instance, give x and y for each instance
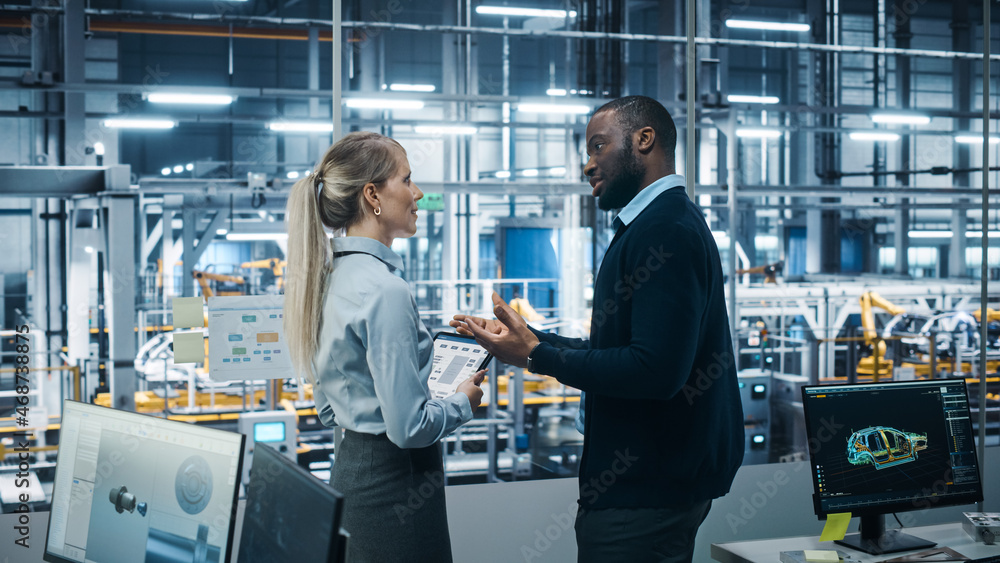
(204, 277)
(770, 271)
(869, 300)
(276, 266)
(991, 314)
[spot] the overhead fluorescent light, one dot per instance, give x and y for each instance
(557, 171)
(446, 129)
(744, 99)
(758, 133)
(767, 26)
(529, 173)
(199, 99)
(300, 126)
(383, 103)
(139, 123)
(975, 139)
(555, 92)
(523, 12)
(221, 232)
(901, 118)
(929, 234)
(873, 136)
(553, 108)
(979, 234)
(256, 236)
(502, 174)
(412, 87)
(293, 175)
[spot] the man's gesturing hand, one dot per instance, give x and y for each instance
(490, 325)
(508, 338)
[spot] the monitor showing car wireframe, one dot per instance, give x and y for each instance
(130, 487)
(290, 515)
(880, 448)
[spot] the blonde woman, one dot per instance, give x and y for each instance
(352, 327)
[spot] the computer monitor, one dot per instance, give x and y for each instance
(880, 448)
(130, 487)
(286, 513)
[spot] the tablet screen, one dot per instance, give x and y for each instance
(456, 358)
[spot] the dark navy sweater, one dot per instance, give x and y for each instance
(663, 418)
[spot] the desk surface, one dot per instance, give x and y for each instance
(760, 551)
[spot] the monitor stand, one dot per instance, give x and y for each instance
(876, 540)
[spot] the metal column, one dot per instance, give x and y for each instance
(315, 150)
(984, 290)
(45, 284)
(337, 44)
(74, 124)
(961, 40)
(120, 291)
(189, 218)
(902, 219)
(732, 146)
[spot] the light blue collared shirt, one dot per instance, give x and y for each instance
(626, 216)
(647, 195)
(375, 354)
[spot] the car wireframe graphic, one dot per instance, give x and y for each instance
(884, 447)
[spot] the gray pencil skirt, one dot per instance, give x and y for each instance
(394, 505)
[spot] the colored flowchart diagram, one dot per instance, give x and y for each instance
(246, 340)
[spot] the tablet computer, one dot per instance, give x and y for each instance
(456, 358)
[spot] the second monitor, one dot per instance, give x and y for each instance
(287, 512)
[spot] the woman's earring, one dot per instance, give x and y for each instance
(378, 211)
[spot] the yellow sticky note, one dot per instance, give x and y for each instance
(821, 556)
(188, 312)
(836, 526)
(189, 347)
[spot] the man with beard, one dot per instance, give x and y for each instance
(663, 423)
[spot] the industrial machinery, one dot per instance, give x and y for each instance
(982, 526)
(904, 327)
(866, 365)
(992, 326)
(523, 308)
(770, 271)
(992, 315)
(956, 333)
(276, 268)
(225, 284)
(754, 385)
(277, 429)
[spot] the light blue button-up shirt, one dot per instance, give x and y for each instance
(626, 216)
(375, 355)
(647, 195)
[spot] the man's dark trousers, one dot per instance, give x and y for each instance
(639, 535)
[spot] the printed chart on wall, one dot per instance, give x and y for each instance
(245, 338)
